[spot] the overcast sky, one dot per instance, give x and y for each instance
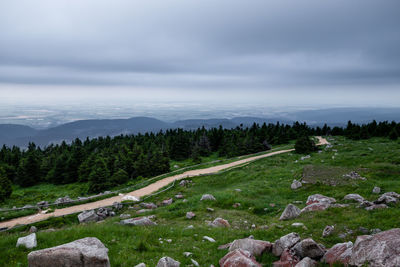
(274, 52)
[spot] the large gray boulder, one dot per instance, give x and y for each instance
(381, 249)
(255, 247)
(290, 212)
(27, 241)
(308, 248)
(168, 262)
(139, 221)
(86, 252)
(285, 242)
(339, 253)
(354, 197)
(88, 216)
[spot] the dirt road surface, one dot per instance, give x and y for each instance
(143, 191)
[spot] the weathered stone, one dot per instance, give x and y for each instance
(63, 200)
(148, 205)
(86, 252)
(142, 264)
(318, 198)
(328, 230)
(184, 182)
(130, 198)
(315, 207)
(195, 263)
(307, 262)
(117, 205)
(287, 259)
(255, 247)
(168, 262)
(354, 197)
(225, 246)
(210, 239)
(88, 216)
(190, 215)
(295, 184)
(290, 212)
(142, 211)
(179, 196)
(238, 258)
(339, 253)
(354, 175)
(386, 199)
(376, 190)
(167, 202)
(124, 216)
(285, 242)
(42, 204)
(236, 205)
(365, 204)
(363, 230)
(308, 248)
(377, 206)
(187, 254)
(219, 222)
(28, 241)
(210, 209)
(381, 249)
(392, 194)
(139, 221)
(207, 197)
(33, 229)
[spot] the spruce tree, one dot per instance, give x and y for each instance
(5, 186)
(99, 178)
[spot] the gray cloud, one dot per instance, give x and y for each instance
(201, 44)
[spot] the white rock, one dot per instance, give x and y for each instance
(212, 240)
(27, 241)
(376, 190)
(295, 184)
(195, 263)
(168, 262)
(207, 197)
(130, 198)
(141, 265)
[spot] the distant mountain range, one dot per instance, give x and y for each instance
(19, 135)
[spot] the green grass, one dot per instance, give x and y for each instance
(265, 186)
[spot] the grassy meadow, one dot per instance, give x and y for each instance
(265, 192)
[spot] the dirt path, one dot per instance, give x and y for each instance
(141, 192)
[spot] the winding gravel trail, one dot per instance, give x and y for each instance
(143, 191)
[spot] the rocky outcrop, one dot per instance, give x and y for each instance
(86, 252)
(290, 212)
(382, 249)
(308, 248)
(207, 197)
(255, 247)
(139, 221)
(354, 197)
(238, 258)
(285, 242)
(28, 241)
(339, 253)
(168, 262)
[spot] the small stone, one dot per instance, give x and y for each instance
(290, 212)
(210, 209)
(33, 229)
(210, 239)
(190, 215)
(195, 263)
(328, 230)
(376, 190)
(168, 262)
(295, 184)
(190, 227)
(207, 197)
(167, 202)
(236, 205)
(187, 254)
(124, 216)
(219, 222)
(141, 265)
(130, 198)
(238, 190)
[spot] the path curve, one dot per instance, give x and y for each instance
(147, 190)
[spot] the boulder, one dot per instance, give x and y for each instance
(168, 262)
(190, 215)
(130, 198)
(117, 205)
(63, 200)
(307, 262)
(287, 259)
(148, 205)
(88, 216)
(328, 230)
(376, 190)
(42, 204)
(392, 194)
(316, 207)
(381, 249)
(308, 248)
(354, 197)
(86, 252)
(33, 229)
(207, 197)
(377, 206)
(255, 247)
(386, 199)
(339, 253)
(27, 241)
(167, 202)
(318, 198)
(139, 221)
(290, 212)
(238, 258)
(285, 242)
(295, 184)
(219, 222)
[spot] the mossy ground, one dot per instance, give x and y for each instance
(265, 191)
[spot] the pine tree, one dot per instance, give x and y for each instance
(305, 145)
(5, 186)
(99, 178)
(28, 172)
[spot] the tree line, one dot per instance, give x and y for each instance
(104, 162)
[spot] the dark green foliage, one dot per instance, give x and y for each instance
(5, 186)
(99, 177)
(305, 145)
(393, 135)
(120, 177)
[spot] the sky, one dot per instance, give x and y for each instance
(306, 53)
